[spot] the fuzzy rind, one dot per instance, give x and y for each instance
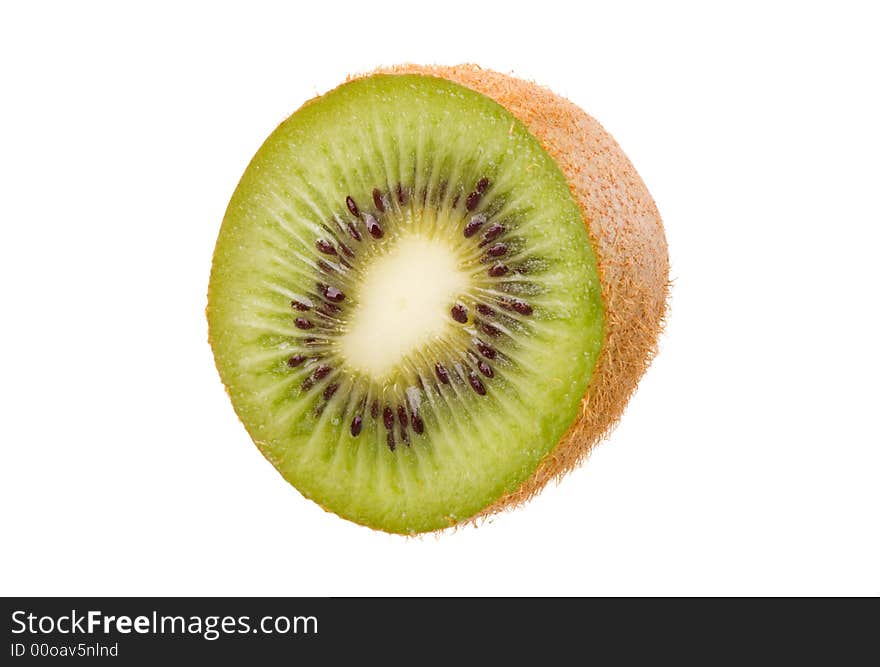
(627, 236)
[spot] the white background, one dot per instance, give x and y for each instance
(748, 461)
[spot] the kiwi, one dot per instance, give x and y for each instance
(433, 291)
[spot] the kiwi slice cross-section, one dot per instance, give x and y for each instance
(405, 303)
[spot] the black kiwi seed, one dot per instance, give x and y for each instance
(356, 425)
(401, 194)
(373, 226)
(404, 435)
(295, 360)
(333, 294)
(374, 408)
(349, 202)
(490, 329)
(486, 350)
(353, 232)
(492, 232)
(325, 246)
(520, 307)
(390, 440)
(485, 369)
(483, 309)
(321, 372)
(299, 305)
(327, 309)
(498, 270)
(303, 323)
(325, 267)
(476, 384)
(401, 416)
(346, 250)
(442, 373)
(473, 199)
(388, 418)
(497, 250)
(459, 313)
(379, 200)
(473, 225)
(417, 423)
(330, 390)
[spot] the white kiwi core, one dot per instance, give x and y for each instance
(404, 303)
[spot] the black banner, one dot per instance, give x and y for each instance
(402, 631)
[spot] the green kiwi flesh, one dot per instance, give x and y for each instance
(404, 306)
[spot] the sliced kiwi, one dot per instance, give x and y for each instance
(405, 305)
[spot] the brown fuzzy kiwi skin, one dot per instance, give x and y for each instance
(627, 236)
